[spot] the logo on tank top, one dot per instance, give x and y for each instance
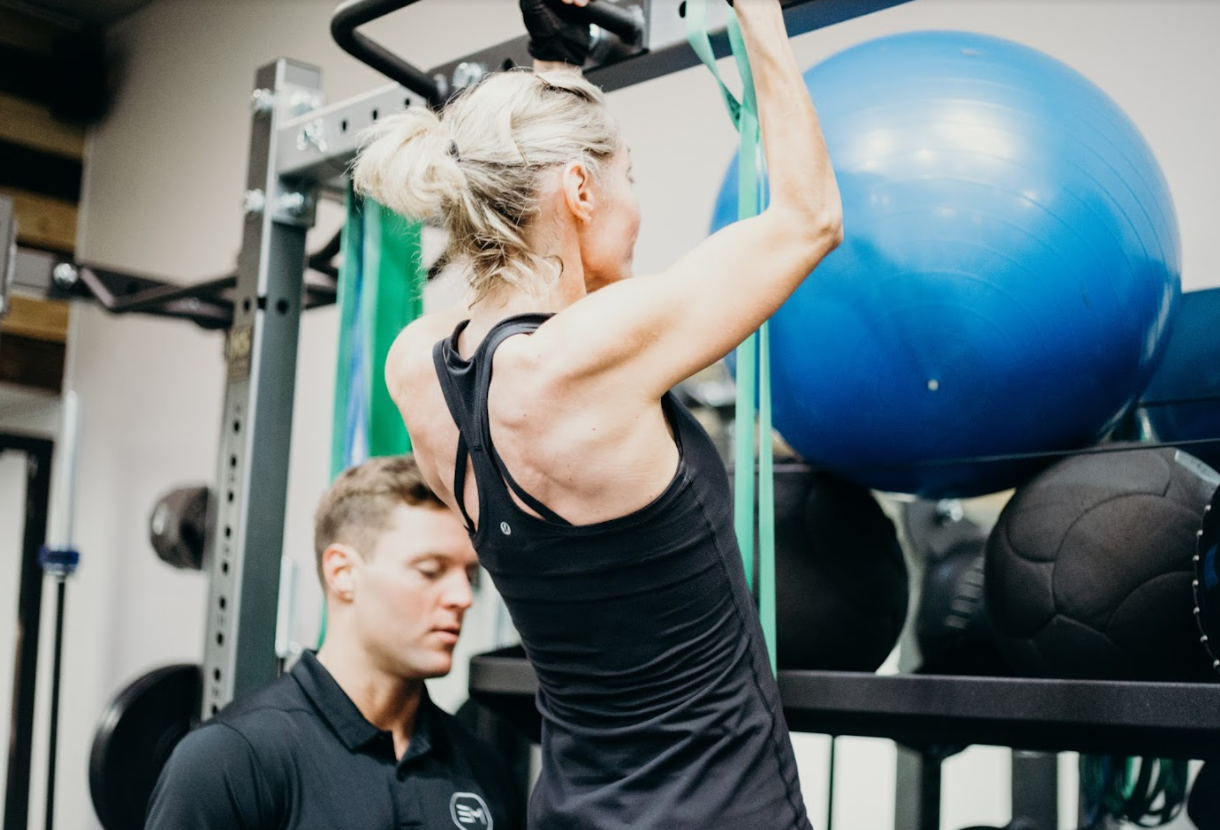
(505, 529)
(469, 810)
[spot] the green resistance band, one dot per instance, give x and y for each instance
(392, 299)
(1147, 792)
(380, 290)
(753, 355)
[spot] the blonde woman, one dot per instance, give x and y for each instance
(541, 412)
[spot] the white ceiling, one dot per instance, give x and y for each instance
(101, 12)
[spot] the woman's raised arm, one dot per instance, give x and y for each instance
(661, 329)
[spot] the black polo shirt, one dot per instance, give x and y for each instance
(298, 755)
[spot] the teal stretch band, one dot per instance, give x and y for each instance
(380, 291)
(753, 355)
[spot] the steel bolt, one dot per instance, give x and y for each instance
(262, 101)
(312, 135)
(949, 511)
(442, 84)
(253, 202)
(303, 101)
(293, 203)
(466, 73)
(65, 275)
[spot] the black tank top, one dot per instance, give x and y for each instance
(659, 708)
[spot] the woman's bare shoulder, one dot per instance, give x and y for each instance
(412, 349)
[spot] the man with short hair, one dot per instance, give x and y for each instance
(349, 737)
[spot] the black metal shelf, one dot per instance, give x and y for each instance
(1177, 720)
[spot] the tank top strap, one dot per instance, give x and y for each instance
(466, 385)
(455, 381)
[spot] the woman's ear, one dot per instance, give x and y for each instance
(579, 193)
(339, 564)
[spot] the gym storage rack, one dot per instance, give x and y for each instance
(939, 715)
(1177, 720)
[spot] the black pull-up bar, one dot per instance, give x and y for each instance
(352, 14)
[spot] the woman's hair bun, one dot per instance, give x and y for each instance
(406, 163)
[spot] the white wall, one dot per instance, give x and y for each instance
(13, 471)
(12, 502)
(161, 195)
(35, 413)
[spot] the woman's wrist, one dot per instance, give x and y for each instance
(554, 66)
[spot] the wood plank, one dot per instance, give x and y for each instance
(27, 123)
(37, 319)
(43, 222)
(29, 362)
(27, 31)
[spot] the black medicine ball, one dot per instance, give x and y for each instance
(1089, 568)
(841, 581)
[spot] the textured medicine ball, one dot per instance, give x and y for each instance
(1207, 582)
(841, 581)
(1089, 568)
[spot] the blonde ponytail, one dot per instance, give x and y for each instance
(405, 165)
(475, 169)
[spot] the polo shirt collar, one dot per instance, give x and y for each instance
(353, 729)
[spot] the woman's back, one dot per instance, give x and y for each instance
(659, 707)
(588, 462)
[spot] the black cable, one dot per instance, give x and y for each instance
(830, 787)
(61, 597)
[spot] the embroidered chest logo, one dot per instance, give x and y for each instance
(469, 810)
(505, 529)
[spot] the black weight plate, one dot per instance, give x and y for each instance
(134, 739)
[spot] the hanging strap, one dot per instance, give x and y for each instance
(753, 355)
(380, 291)
(393, 297)
(347, 443)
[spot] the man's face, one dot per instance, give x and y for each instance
(411, 591)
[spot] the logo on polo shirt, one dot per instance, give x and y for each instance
(470, 810)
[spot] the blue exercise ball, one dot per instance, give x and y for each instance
(1009, 271)
(1182, 400)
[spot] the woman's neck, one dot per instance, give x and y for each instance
(550, 293)
(508, 301)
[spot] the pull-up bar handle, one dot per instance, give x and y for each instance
(614, 19)
(352, 14)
